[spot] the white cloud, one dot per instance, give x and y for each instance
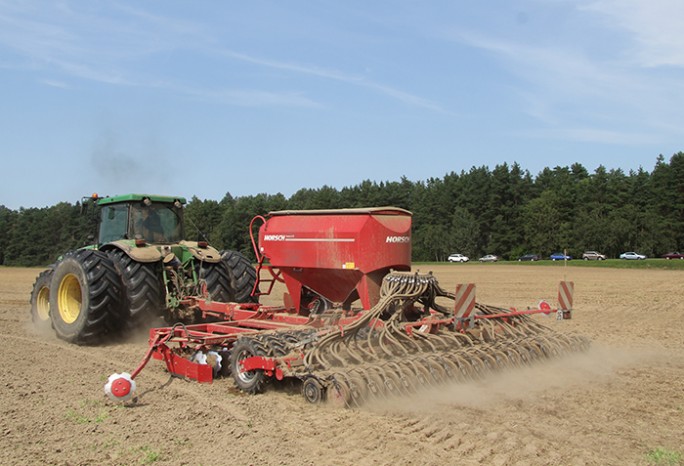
(569, 86)
(656, 27)
(53, 83)
(251, 97)
(592, 135)
(334, 75)
(109, 43)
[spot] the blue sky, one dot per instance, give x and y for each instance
(205, 98)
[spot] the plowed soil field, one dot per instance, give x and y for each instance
(622, 402)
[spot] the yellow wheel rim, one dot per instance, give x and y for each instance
(43, 304)
(69, 299)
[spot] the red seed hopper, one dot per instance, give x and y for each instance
(333, 257)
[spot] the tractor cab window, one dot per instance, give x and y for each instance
(113, 223)
(156, 223)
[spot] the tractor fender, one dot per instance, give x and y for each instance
(154, 254)
(138, 254)
(204, 254)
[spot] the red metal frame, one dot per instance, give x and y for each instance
(276, 275)
(252, 318)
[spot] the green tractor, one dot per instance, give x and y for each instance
(140, 268)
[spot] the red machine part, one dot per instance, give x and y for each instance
(120, 387)
(340, 255)
(172, 344)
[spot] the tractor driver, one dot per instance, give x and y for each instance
(147, 225)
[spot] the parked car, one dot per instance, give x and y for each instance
(457, 258)
(489, 258)
(673, 255)
(593, 256)
(559, 256)
(528, 257)
(631, 255)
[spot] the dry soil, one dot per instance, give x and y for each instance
(620, 403)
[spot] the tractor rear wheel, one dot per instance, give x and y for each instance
(143, 289)
(217, 278)
(40, 299)
(242, 276)
(85, 297)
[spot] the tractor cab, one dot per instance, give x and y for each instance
(149, 218)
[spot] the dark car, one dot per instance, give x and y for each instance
(673, 255)
(529, 257)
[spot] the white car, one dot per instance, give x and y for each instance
(632, 255)
(457, 258)
(593, 255)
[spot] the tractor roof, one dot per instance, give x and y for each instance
(138, 197)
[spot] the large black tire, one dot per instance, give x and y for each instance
(242, 276)
(40, 299)
(217, 278)
(85, 297)
(253, 381)
(143, 291)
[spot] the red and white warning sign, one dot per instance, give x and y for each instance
(565, 295)
(465, 300)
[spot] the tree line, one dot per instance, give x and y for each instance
(504, 211)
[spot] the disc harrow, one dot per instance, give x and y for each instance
(414, 338)
(407, 342)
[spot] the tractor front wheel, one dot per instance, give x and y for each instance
(40, 300)
(85, 297)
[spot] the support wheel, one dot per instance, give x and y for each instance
(40, 300)
(250, 381)
(85, 297)
(312, 390)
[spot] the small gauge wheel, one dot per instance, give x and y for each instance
(312, 390)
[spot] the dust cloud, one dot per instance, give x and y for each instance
(598, 365)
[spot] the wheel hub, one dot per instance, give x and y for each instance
(69, 299)
(43, 304)
(246, 376)
(312, 390)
